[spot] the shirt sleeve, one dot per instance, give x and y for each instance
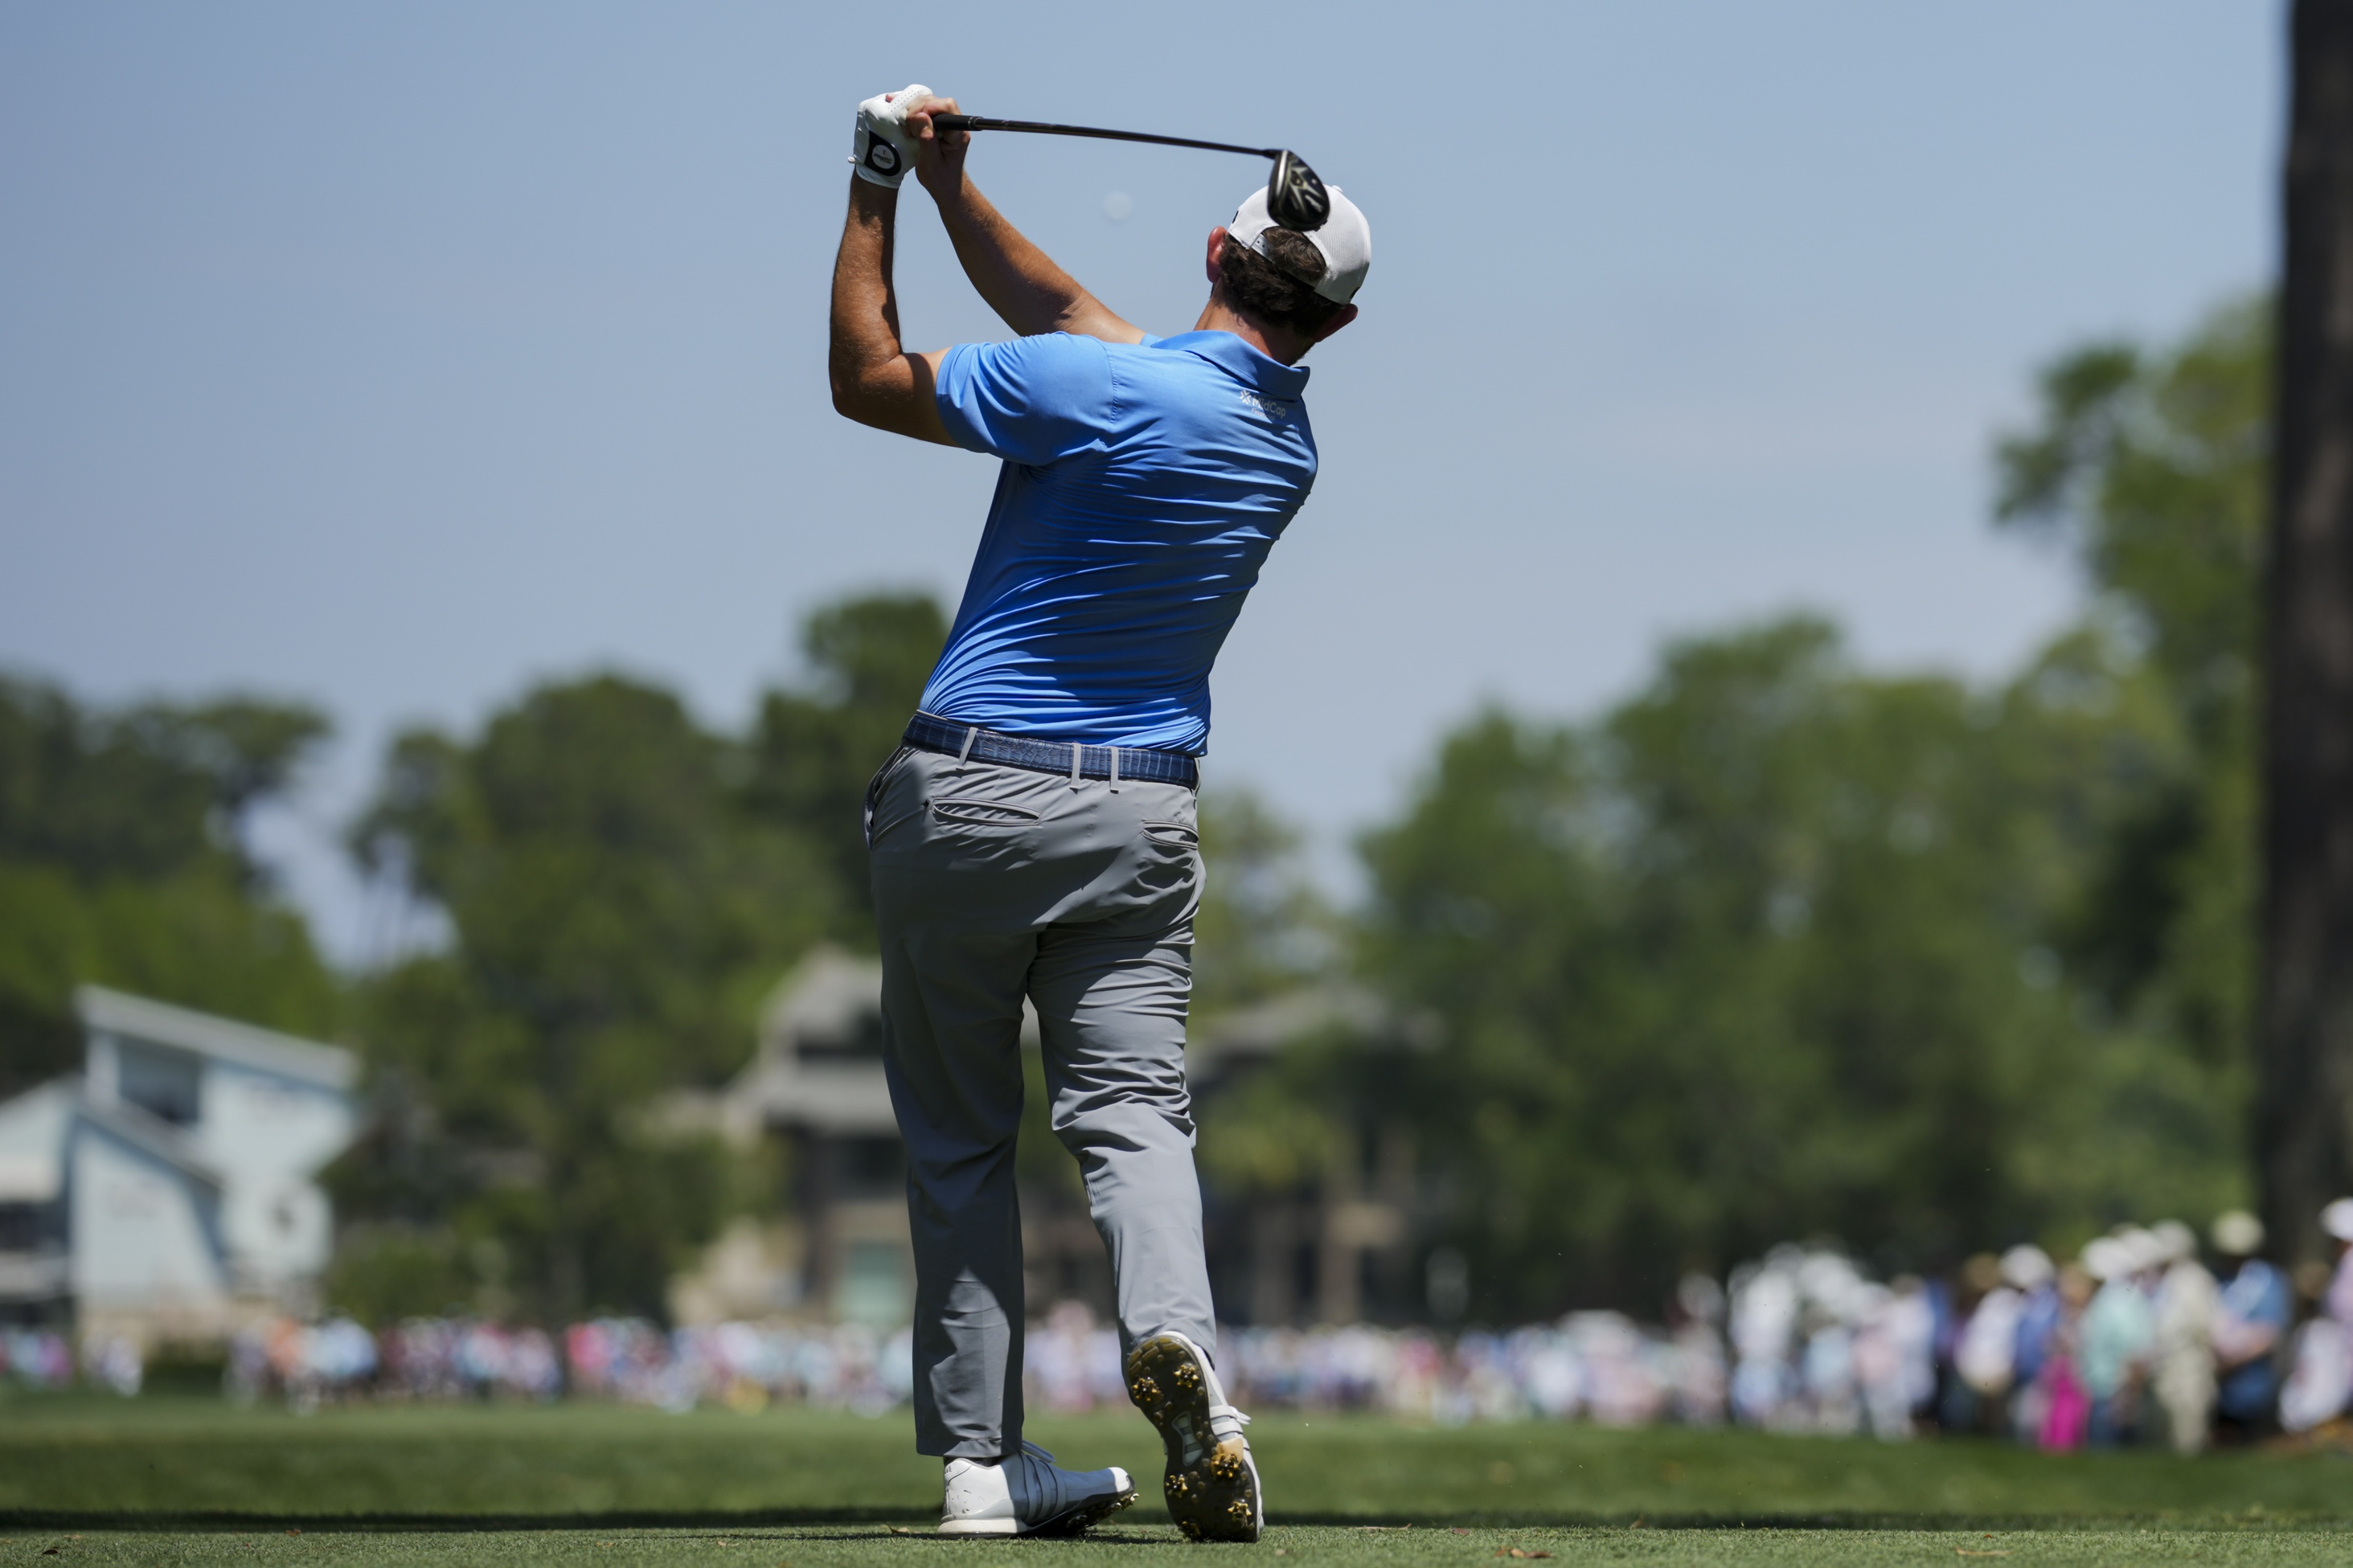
(1031, 400)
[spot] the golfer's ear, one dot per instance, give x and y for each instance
(1217, 249)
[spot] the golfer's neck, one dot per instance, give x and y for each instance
(1217, 318)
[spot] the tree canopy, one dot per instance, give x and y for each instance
(622, 885)
(1779, 947)
(123, 861)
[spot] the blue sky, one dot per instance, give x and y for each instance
(394, 357)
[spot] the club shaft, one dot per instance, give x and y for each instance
(1038, 126)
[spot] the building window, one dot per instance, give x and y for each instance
(872, 1167)
(858, 1039)
(160, 1082)
(20, 1227)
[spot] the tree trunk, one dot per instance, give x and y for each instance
(2304, 1118)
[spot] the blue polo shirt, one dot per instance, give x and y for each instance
(1144, 484)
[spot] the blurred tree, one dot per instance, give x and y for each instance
(2152, 468)
(1262, 928)
(1779, 948)
(811, 753)
(621, 887)
(123, 861)
(383, 1273)
(616, 915)
(1760, 954)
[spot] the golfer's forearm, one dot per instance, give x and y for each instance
(874, 380)
(865, 310)
(1020, 282)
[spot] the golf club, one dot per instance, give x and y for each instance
(1295, 198)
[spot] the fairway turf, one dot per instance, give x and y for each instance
(194, 1482)
(824, 1546)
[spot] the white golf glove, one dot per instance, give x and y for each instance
(882, 151)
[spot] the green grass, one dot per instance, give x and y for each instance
(194, 1482)
(824, 1546)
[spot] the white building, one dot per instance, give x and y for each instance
(1339, 1247)
(815, 1085)
(171, 1187)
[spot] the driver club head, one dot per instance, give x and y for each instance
(1295, 198)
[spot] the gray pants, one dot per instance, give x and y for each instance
(992, 884)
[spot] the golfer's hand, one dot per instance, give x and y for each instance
(939, 156)
(883, 147)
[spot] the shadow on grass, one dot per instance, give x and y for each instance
(231, 1520)
(902, 1521)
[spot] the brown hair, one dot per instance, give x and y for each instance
(1278, 292)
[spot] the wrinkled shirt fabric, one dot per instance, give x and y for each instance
(1143, 486)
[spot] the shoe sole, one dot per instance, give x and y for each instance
(1211, 1488)
(1071, 1521)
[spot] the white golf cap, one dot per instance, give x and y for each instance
(2107, 1258)
(2238, 1234)
(2026, 1267)
(2139, 1248)
(2336, 1219)
(1345, 241)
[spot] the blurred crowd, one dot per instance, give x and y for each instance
(745, 1366)
(1597, 1366)
(2143, 1338)
(35, 1358)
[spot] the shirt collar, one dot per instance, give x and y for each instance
(1243, 363)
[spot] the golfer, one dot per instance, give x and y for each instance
(1034, 836)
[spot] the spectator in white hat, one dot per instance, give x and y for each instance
(2336, 1219)
(1985, 1352)
(2251, 1321)
(2028, 1269)
(2119, 1328)
(2187, 1301)
(2320, 1372)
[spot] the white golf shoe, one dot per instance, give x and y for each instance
(1212, 1484)
(1028, 1494)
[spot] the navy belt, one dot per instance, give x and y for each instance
(972, 743)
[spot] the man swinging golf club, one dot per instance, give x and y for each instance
(1034, 836)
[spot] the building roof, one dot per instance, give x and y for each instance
(828, 1000)
(1312, 1012)
(806, 1072)
(35, 1125)
(265, 1050)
